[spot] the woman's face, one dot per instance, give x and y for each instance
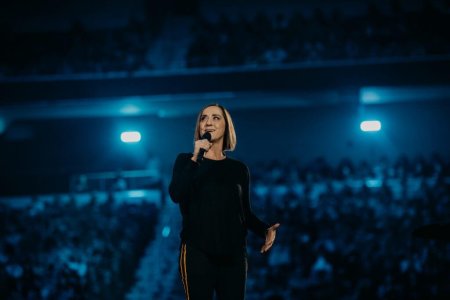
(212, 121)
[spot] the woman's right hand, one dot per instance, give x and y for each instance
(200, 144)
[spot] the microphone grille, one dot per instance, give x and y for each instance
(207, 136)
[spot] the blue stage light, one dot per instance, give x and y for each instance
(2, 125)
(371, 95)
(130, 109)
(166, 231)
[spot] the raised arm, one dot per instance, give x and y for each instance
(184, 171)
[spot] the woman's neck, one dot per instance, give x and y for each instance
(215, 152)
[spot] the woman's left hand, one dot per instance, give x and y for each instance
(270, 237)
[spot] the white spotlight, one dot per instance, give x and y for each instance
(372, 125)
(130, 136)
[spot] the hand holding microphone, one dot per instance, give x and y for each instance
(201, 146)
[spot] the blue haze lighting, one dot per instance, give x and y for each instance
(130, 136)
(374, 183)
(2, 125)
(130, 109)
(372, 125)
(166, 231)
(370, 95)
(136, 194)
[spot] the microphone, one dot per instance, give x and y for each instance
(202, 151)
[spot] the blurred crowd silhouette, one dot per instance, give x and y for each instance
(56, 250)
(321, 37)
(346, 234)
(76, 51)
(347, 230)
(243, 41)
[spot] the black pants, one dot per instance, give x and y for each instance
(201, 275)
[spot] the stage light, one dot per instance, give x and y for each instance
(370, 95)
(130, 136)
(136, 194)
(372, 125)
(166, 231)
(130, 109)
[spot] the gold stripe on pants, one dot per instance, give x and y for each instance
(183, 270)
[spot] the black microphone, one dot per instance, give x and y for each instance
(202, 151)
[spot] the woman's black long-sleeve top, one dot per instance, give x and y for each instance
(215, 204)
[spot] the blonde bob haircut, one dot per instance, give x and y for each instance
(229, 139)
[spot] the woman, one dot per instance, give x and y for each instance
(213, 193)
